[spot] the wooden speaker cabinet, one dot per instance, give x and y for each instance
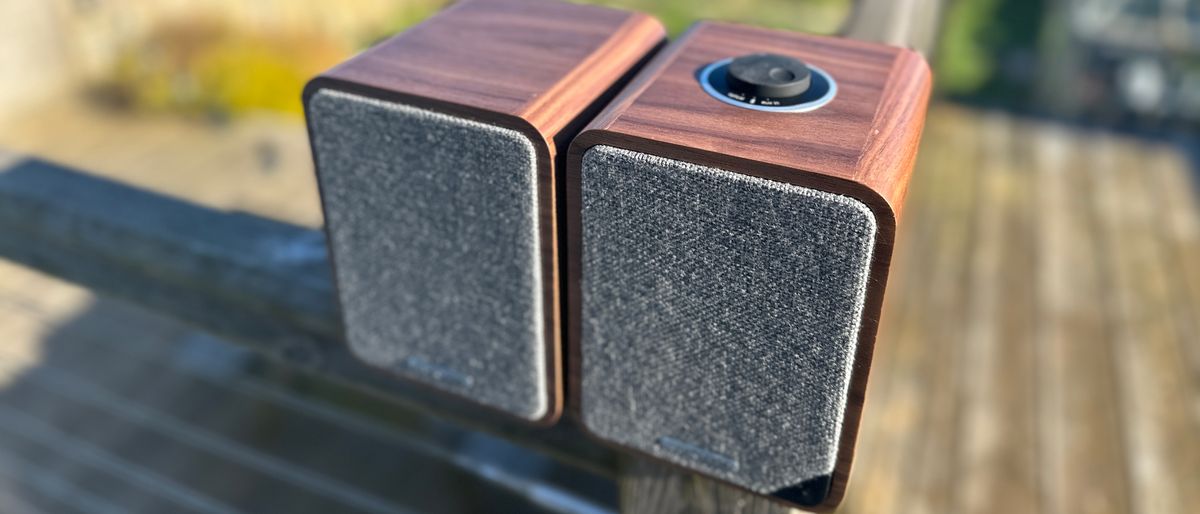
(731, 217)
(437, 155)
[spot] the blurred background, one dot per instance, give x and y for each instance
(1039, 349)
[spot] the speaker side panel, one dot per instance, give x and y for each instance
(433, 223)
(720, 316)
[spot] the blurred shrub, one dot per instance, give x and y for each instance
(964, 63)
(207, 66)
(204, 66)
(243, 72)
(819, 16)
(405, 15)
(988, 49)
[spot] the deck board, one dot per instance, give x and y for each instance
(933, 473)
(1152, 372)
(1176, 188)
(997, 424)
(1080, 431)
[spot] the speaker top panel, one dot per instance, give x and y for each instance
(533, 65)
(860, 141)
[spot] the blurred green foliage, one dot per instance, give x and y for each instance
(204, 66)
(405, 15)
(817, 16)
(964, 63)
(987, 48)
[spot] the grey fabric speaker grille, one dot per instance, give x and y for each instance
(433, 225)
(720, 315)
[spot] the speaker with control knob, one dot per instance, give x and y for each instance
(731, 217)
(437, 154)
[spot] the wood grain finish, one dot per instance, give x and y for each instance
(862, 144)
(539, 67)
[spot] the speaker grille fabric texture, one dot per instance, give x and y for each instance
(434, 229)
(720, 316)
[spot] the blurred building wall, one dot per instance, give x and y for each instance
(33, 60)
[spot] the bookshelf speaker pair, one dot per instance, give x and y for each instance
(699, 276)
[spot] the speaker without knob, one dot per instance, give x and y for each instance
(436, 154)
(730, 225)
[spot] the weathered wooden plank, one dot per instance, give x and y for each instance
(1178, 314)
(1082, 461)
(931, 467)
(1174, 183)
(1161, 441)
(256, 281)
(261, 165)
(25, 482)
(978, 425)
(998, 424)
(1019, 478)
(69, 405)
(159, 366)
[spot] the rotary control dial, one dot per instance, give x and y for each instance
(767, 77)
(768, 82)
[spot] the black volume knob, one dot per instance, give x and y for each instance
(768, 76)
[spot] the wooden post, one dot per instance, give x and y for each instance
(908, 23)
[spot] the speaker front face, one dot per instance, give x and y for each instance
(720, 316)
(434, 224)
